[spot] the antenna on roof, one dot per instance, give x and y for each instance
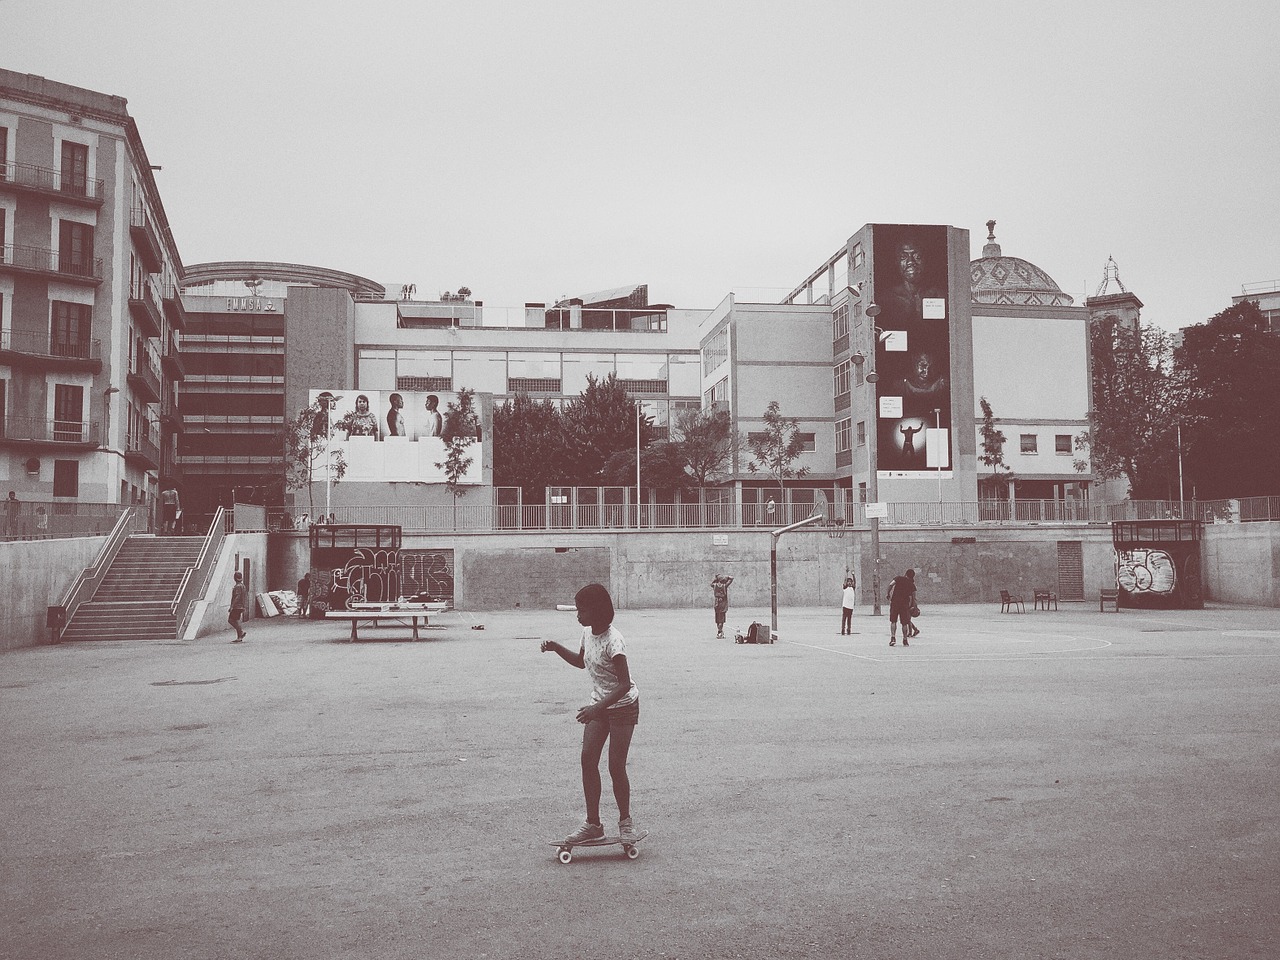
(1110, 272)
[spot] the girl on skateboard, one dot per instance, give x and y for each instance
(612, 714)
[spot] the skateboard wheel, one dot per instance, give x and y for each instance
(565, 856)
(632, 852)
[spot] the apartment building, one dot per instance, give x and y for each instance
(90, 310)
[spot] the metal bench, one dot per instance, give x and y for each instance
(381, 612)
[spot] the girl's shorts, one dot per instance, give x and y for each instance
(627, 716)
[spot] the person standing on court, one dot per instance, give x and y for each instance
(720, 591)
(848, 599)
(304, 594)
(239, 598)
(169, 506)
(902, 597)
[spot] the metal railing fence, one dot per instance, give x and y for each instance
(465, 518)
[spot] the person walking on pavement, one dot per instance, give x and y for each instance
(902, 597)
(239, 596)
(848, 599)
(720, 589)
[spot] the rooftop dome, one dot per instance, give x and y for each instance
(996, 278)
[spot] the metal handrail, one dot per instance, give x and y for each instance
(196, 577)
(86, 585)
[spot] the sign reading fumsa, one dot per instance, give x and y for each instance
(388, 436)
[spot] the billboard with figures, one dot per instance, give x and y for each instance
(913, 351)
(393, 435)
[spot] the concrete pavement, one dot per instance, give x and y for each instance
(1061, 784)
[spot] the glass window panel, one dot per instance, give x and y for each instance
(482, 371)
(576, 366)
(685, 378)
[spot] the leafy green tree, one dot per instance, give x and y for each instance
(306, 451)
(1230, 370)
(775, 450)
(662, 468)
(1136, 404)
(529, 446)
(709, 443)
(459, 431)
(993, 439)
(598, 423)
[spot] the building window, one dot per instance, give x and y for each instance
(4, 153)
(68, 413)
(858, 257)
(716, 351)
(533, 385)
(69, 329)
(1062, 443)
(840, 322)
(1028, 443)
(424, 384)
(719, 393)
(75, 247)
(844, 435)
(75, 168)
(862, 433)
(843, 375)
(66, 478)
(808, 441)
(862, 492)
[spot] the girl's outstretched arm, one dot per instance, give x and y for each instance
(573, 659)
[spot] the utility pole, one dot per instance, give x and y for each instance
(873, 463)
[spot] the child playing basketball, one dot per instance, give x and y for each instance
(612, 714)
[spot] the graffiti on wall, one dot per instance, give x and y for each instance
(381, 576)
(1145, 570)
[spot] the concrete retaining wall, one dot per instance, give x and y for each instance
(37, 574)
(1242, 563)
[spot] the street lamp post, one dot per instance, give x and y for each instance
(638, 404)
(873, 440)
(330, 404)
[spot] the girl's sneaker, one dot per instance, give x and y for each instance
(588, 831)
(627, 829)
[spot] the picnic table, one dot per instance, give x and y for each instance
(390, 611)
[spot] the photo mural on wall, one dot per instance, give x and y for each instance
(393, 435)
(913, 350)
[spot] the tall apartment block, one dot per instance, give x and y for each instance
(89, 301)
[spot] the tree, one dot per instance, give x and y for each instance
(1230, 371)
(598, 423)
(1136, 404)
(709, 443)
(306, 451)
(529, 446)
(774, 450)
(993, 439)
(461, 423)
(662, 467)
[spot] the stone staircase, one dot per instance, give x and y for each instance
(133, 600)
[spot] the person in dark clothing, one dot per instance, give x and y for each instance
(902, 597)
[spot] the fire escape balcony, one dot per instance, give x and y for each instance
(20, 431)
(37, 349)
(50, 264)
(145, 306)
(144, 377)
(145, 239)
(28, 178)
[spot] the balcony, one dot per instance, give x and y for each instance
(144, 377)
(50, 265)
(171, 359)
(174, 421)
(145, 306)
(33, 348)
(28, 178)
(145, 239)
(22, 431)
(143, 449)
(171, 296)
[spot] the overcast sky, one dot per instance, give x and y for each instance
(531, 150)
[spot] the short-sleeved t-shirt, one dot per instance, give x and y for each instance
(850, 597)
(598, 653)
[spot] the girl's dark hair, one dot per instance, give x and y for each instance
(595, 601)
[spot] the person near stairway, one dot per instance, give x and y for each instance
(239, 598)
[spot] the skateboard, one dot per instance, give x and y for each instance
(565, 853)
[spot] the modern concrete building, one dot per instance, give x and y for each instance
(1266, 294)
(90, 310)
